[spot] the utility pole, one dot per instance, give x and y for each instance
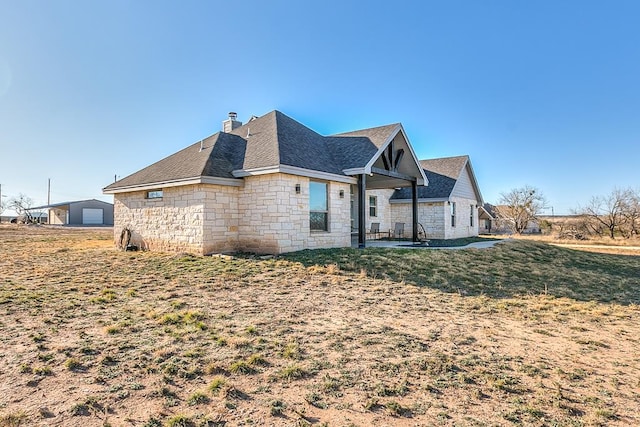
(49, 192)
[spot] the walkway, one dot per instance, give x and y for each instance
(408, 245)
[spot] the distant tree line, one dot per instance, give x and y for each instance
(616, 214)
(612, 215)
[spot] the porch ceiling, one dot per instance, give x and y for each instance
(381, 182)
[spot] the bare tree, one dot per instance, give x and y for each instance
(607, 212)
(520, 206)
(21, 204)
(631, 214)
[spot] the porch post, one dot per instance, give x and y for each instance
(362, 231)
(414, 201)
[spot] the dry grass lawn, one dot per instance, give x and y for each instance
(604, 245)
(521, 334)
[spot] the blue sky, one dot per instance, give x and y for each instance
(543, 93)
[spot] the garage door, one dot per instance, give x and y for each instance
(92, 216)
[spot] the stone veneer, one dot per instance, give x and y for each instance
(274, 219)
(429, 215)
(264, 216)
(176, 222)
(384, 215)
(463, 226)
(435, 217)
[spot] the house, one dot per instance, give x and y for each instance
(447, 207)
(82, 212)
(271, 185)
(486, 218)
(500, 225)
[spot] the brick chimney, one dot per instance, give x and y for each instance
(231, 123)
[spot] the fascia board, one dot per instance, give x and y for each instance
(232, 182)
(294, 170)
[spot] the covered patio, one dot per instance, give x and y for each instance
(394, 165)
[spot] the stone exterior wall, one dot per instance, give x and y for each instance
(177, 221)
(384, 216)
(463, 226)
(430, 215)
(339, 234)
(275, 219)
(436, 218)
(264, 216)
(221, 218)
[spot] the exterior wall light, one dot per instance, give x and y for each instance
(342, 194)
(297, 188)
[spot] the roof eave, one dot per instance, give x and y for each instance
(294, 170)
(233, 182)
(421, 200)
(421, 180)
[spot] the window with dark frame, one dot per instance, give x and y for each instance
(318, 206)
(154, 194)
(471, 215)
(453, 213)
(373, 206)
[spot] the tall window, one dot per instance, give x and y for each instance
(471, 215)
(373, 206)
(453, 213)
(318, 206)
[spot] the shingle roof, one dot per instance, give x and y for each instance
(491, 209)
(221, 153)
(377, 135)
(267, 141)
(442, 175)
(276, 139)
(355, 149)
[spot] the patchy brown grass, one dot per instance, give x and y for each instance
(603, 245)
(521, 334)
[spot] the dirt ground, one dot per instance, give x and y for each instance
(91, 336)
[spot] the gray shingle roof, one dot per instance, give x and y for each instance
(267, 141)
(221, 153)
(377, 135)
(442, 175)
(276, 139)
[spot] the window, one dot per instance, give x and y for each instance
(373, 206)
(453, 213)
(318, 206)
(154, 194)
(471, 215)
